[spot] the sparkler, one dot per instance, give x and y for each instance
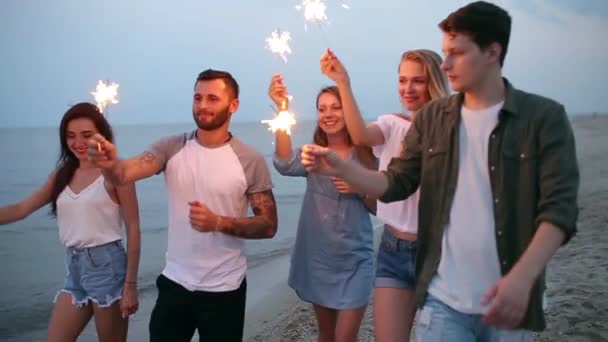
(314, 11)
(105, 94)
(283, 121)
(278, 43)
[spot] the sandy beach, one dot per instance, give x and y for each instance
(577, 288)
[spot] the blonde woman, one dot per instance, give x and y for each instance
(420, 81)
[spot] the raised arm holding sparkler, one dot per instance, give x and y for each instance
(278, 93)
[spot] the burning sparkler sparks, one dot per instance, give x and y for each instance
(278, 43)
(283, 121)
(314, 11)
(105, 94)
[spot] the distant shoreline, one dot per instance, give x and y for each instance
(573, 118)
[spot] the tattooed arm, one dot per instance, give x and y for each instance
(263, 225)
(104, 155)
(126, 171)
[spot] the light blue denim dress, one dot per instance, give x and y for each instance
(332, 262)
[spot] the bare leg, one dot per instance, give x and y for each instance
(67, 320)
(394, 312)
(348, 323)
(110, 325)
(326, 321)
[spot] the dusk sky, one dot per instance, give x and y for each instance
(53, 52)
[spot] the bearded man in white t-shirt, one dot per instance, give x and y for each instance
(211, 177)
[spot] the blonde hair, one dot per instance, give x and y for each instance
(431, 62)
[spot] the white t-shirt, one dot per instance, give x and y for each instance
(89, 218)
(401, 215)
(221, 178)
(469, 263)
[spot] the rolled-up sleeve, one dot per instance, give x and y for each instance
(558, 173)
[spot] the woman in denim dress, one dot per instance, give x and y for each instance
(332, 260)
(101, 279)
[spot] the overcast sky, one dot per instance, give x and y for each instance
(53, 52)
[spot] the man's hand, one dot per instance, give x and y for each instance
(202, 218)
(102, 152)
(333, 68)
(322, 160)
(508, 299)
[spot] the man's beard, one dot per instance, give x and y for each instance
(218, 120)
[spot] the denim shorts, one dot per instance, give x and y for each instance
(396, 262)
(95, 274)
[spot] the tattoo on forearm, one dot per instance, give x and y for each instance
(262, 202)
(145, 160)
(262, 225)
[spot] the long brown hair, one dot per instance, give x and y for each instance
(364, 154)
(68, 162)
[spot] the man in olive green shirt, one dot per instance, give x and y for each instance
(498, 181)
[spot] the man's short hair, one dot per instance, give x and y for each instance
(210, 74)
(484, 22)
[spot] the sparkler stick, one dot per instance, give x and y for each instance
(105, 94)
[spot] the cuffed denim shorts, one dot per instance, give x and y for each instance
(396, 262)
(95, 274)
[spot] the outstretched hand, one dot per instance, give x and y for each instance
(101, 152)
(318, 159)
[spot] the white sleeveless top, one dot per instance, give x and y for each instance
(89, 218)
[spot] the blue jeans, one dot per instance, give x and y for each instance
(438, 322)
(396, 262)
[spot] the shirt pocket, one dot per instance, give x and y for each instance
(519, 159)
(435, 151)
(520, 154)
(435, 160)
(519, 173)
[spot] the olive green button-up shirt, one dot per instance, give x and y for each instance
(533, 174)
